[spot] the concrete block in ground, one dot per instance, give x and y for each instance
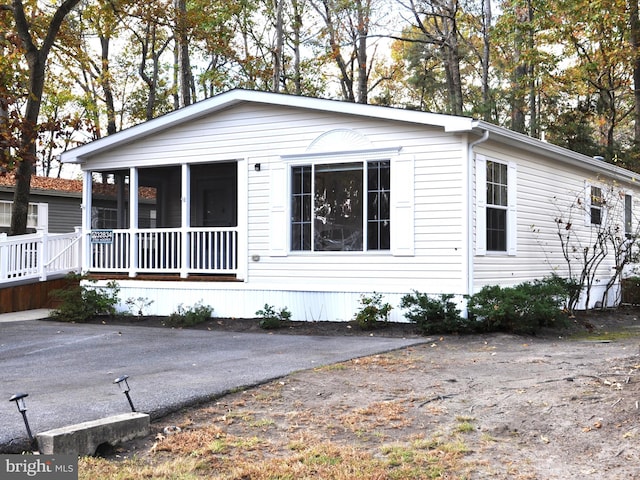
(85, 438)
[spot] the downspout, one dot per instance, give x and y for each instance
(471, 210)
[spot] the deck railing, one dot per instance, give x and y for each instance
(38, 256)
(167, 250)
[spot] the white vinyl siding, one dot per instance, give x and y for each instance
(545, 192)
(427, 195)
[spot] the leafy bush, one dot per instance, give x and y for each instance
(272, 319)
(186, 317)
(138, 305)
(524, 308)
(433, 315)
(80, 303)
(373, 312)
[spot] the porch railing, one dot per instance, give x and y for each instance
(38, 256)
(167, 250)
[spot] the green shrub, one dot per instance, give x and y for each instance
(80, 303)
(433, 315)
(138, 305)
(373, 313)
(189, 316)
(272, 319)
(524, 308)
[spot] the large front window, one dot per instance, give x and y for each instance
(341, 206)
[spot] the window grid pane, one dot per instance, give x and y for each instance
(497, 203)
(338, 212)
(378, 201)
(596, 205)
(496, 230)
(628, 214)
(301, 208)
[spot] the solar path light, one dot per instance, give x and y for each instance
(124, 385)
(22, 408)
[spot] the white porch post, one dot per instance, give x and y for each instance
(42, 253)
(85, 250)
(133, 221)
(4, 256)
(186, 219)
(243, 218)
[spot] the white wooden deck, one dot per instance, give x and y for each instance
(38, 256)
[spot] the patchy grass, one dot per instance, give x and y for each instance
(268, 432)
(605, 336)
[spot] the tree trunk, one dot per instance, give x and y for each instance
(361, 50)
(634, 23)
(277, 52)
(297, 26)
(182, 39)
(37, 62)
(106, 87)
(486, 58)
(518, 89)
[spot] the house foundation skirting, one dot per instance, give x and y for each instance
(240, 300)
(237, 300)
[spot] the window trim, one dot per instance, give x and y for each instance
(312, 161)
(402, 200)
(597, 206)
(481, 207)
(36, 215)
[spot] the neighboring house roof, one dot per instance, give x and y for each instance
(45, 185)
(449, 123)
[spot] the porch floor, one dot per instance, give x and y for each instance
(163, 277)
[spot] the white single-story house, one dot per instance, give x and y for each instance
(255, 198)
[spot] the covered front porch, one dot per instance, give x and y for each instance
(171, 220)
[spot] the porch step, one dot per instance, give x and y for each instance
(85, 438)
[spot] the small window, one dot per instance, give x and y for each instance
(497, 206)
(5, 215)
(596, 206)
(104, 218)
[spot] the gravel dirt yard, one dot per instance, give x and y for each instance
(560, 405)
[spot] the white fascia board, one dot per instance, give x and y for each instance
(232, 97)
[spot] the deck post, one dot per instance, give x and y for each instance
(4, 256)
(133, 222)
(42, 254)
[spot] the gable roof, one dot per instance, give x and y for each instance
(449, 123)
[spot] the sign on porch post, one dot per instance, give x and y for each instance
(102, 236)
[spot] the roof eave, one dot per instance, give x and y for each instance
(232, 97)
(555, 152)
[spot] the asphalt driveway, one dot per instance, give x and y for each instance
(68, 369)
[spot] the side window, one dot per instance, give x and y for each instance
(596, 205)
(5, 214)
(628, 215)
(497, 205)
(341, 206)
